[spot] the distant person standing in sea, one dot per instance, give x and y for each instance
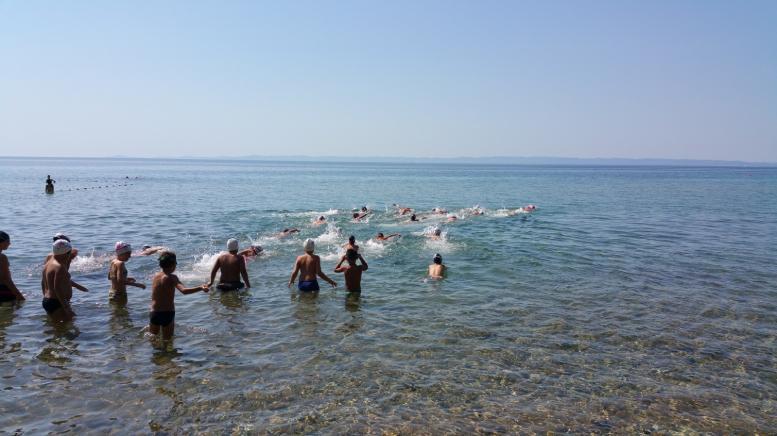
(351, 244)
(308, 266)
(57, 290)
(8, 290)
(50, 184)
(232, 266)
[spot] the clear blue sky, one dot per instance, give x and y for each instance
(650, 79)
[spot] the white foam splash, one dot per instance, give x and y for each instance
(313, 213)
(330, 236)
(89, 263)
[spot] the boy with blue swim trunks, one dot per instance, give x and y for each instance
(308, 266)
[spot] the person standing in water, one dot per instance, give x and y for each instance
(50, 184)
(308, 266)
(351, 244)
(57, 290)
(164, 284)
(117, 274)
(232, 266)
(437, 269)
(8, 289)
(73, 254)
(352, 272)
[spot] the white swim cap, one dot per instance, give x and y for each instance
(232, 245)
(310, 246)
(123, 247)
(59, 236)
(61, 246)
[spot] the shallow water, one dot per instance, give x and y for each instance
(633, 299)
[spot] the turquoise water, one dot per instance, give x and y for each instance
(633, 299)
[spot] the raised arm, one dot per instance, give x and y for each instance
(216, 268)
(7, 281)
(364, 263)
(338, 268)
(243, 272)
(294, 272)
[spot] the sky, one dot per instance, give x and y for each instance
(675, 79)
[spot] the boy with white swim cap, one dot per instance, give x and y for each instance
(57, 290)
(308, 266)
(73, 255)
(437, 269)
(117, 273)
(232, 266)
(8, 289)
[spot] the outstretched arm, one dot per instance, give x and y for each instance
(323, 276)
(79, 287)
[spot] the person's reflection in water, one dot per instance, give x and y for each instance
(234, 300)
(306, 311)
(7, 315)
(352, 301)
(61, 345)
(121, 321)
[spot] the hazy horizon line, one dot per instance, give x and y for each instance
(503, 160)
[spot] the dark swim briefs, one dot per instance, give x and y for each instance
(161, 318)
(308, 285)
(6, 294)
(51, 304)
(230, 286)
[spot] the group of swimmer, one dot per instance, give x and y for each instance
(57, 284)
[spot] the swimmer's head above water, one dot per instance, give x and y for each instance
(123, 250)
(4, 238)
(61, 247)
(437, 259)
(59, 236)
(168, 261)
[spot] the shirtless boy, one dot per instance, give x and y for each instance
(437, 269)
(232, 266)
(352, 271)
(308, 266)
(117, 273)
(163, 289)
(8, 290)
(73, 255)
(55, 283)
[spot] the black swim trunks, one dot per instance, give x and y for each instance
(161, 318)
(51, 304)
(6, 294)
(230, 286)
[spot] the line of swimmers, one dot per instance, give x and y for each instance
(57, 284)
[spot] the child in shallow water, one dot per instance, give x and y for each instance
(163, 289)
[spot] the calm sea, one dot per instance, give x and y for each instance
(633, 299)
